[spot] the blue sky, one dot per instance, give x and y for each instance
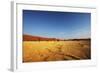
(64, 25)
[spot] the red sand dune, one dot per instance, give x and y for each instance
(37, 38)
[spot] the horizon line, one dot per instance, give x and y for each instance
(58, 38)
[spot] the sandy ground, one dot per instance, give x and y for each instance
(36, 51)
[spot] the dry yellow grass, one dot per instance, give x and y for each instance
(36, 51)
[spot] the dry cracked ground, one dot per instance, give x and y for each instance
(38, 51)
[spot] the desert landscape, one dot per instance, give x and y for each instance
(56, 36)
(38, 49)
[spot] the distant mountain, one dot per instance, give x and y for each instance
(38, 38)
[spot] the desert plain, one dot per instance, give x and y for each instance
(62, 50)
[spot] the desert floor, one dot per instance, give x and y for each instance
(41, 51)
